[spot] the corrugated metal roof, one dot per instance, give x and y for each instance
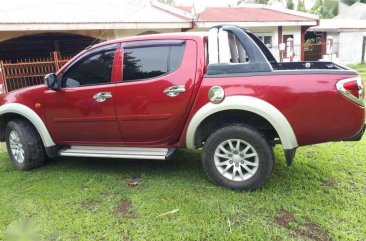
(249, 13)
(84, 11)
(337, 25)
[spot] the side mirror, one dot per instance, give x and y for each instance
(51, 81)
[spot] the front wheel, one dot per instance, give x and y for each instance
(24, 145)
(237, 157)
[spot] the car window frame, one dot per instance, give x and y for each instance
(105, 48)
(151, 43)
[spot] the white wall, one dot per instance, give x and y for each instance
(350, 47)
(335, 36)
(273, 31)
(296, 32)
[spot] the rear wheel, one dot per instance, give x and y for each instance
(24, 145)
(237, 157)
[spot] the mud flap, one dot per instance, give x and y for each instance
(290, 155)
(357, 137)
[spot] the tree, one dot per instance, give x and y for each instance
(290, 4)
(351, 2)
(253, 1)
(301, 6)
(261, 1)
(325, 8)
(169, 2)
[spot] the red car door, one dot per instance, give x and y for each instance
(158, 79)
(83, 110)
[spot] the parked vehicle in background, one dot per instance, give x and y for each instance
(145, 96)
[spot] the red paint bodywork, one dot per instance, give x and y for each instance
(311, 103)
(140, 114)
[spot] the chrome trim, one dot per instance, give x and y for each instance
(344, 92)
(102, 96)
(236, 160)
(16, 147)
(118, 152)
(105, 155)
(174, 90)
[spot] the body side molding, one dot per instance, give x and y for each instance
(31, 116)
(250, 104)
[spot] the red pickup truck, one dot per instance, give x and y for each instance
(143, 97)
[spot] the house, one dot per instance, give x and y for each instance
(272, 25)
(344, 35)
(34, 29)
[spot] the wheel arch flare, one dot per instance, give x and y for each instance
(249, 104)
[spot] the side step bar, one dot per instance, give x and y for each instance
(118, 152)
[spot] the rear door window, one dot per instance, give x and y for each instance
(151, 61)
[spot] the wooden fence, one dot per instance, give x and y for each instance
(29, 72)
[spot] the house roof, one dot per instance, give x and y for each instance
(339, 25)
(248, 14)
(253, 15)
(20, 15)
(106, 14)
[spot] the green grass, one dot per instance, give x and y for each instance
(321, 197)
(361, 68)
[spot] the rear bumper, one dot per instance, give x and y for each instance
(358, 136)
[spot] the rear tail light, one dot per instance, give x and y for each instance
(352, 89)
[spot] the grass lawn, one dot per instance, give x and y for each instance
(321, 197)
(361, 68)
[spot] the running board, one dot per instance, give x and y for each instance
(118, 152)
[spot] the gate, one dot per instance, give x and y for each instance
(25, 73)
(312, 52)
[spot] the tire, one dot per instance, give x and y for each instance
(24, 145)
(253, 158)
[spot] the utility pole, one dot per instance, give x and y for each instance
(363, 50)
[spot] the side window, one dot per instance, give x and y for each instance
(92, 70)
(147, 62)
(266, 38)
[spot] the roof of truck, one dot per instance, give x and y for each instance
(162, 36)
(198, 36)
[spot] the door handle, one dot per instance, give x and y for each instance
(102, 96)
(174, 90)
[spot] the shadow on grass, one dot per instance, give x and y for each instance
(182, 162)
(186, 167)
